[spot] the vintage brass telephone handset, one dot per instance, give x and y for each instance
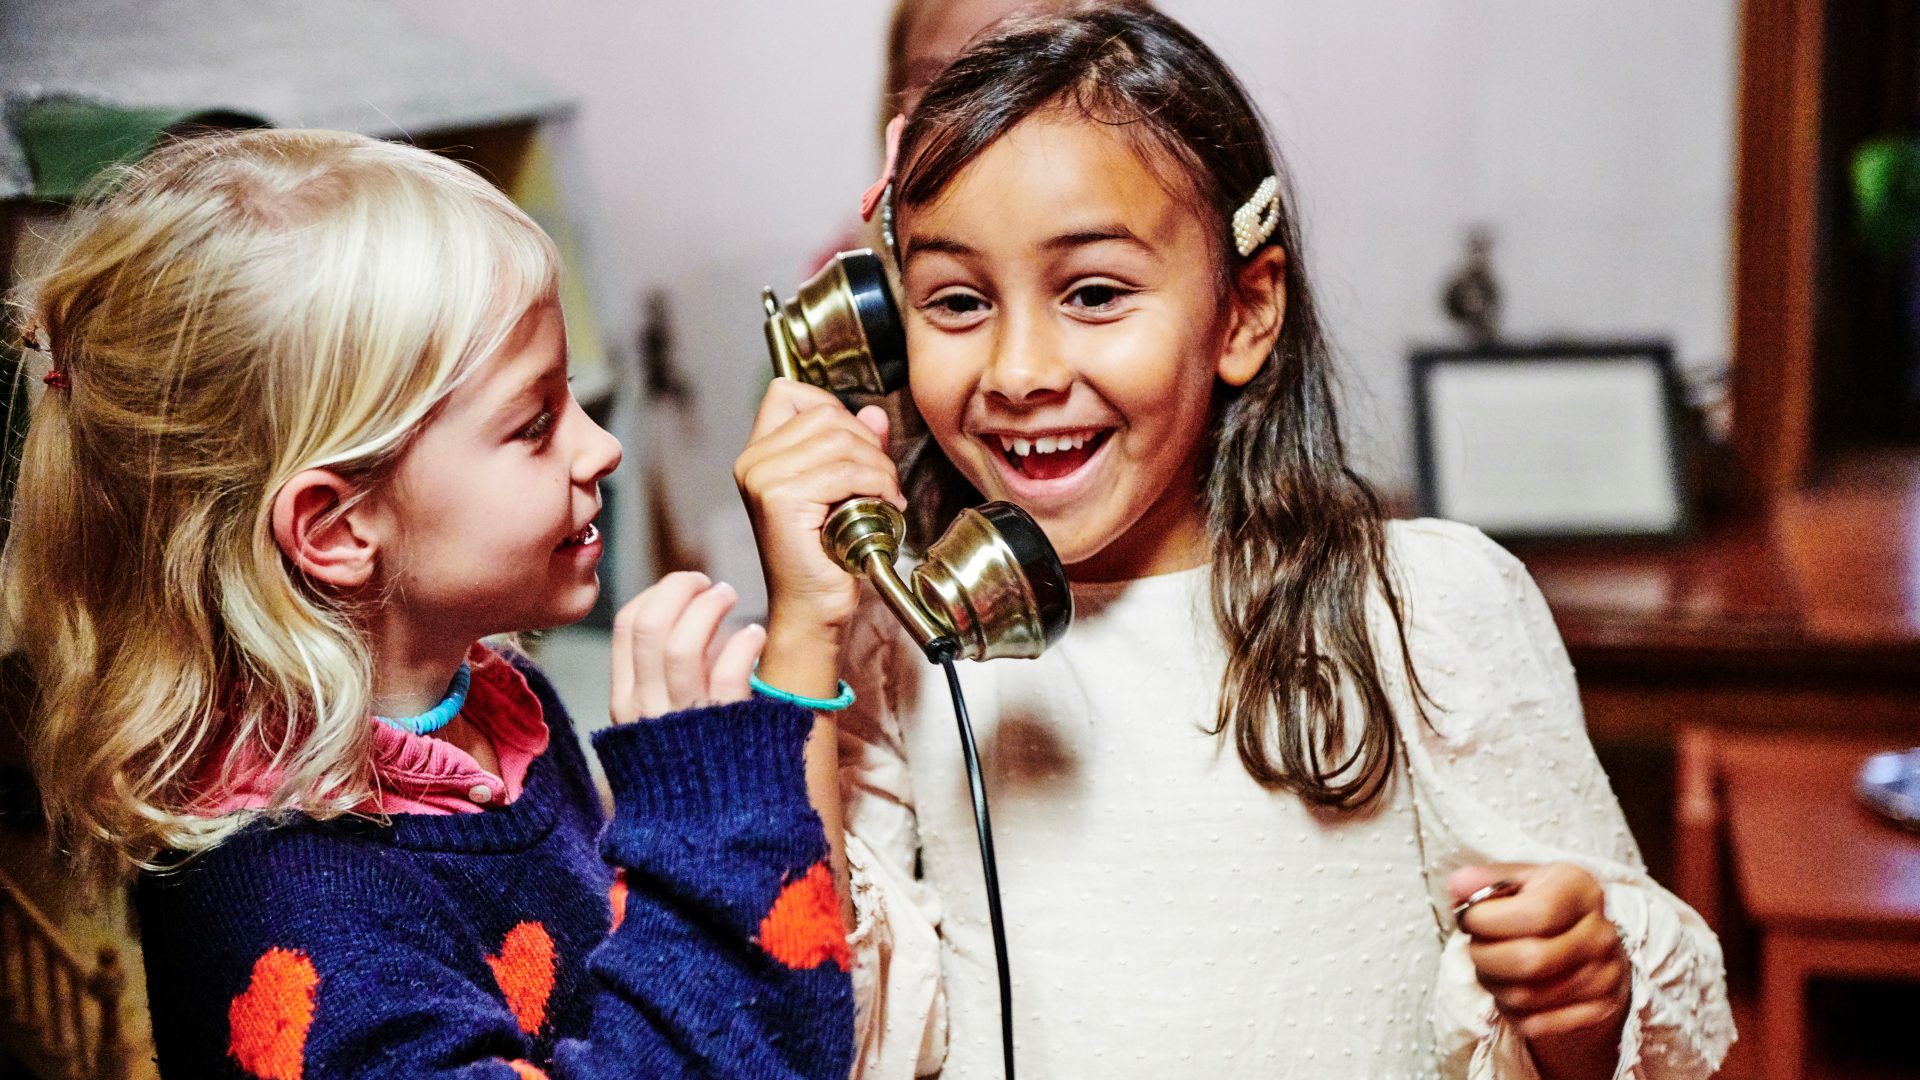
(991, 586)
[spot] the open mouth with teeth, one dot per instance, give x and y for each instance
(1051, 456)
(582, 538)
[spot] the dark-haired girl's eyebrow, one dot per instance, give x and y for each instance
(941, 245)
(935, 245)
(1099, 235)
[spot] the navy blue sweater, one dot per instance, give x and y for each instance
(478, 945)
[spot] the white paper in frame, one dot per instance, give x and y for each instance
(1561, 440)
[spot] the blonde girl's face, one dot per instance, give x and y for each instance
(489, 517)
(1065, 328)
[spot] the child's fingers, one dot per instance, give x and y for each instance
(688, 643)
(816, 459)
(784, 399)
(734, 664)
(1467, 880)
(639, 638)
(820, 433)
(1589, 1015)
(621, 688)
(1537, 960)
(1552, 900)
(1599, 980)
(876, 420)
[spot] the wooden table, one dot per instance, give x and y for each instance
(1830, 887)
(1802, 615)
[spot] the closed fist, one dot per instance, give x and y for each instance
(1551, 959)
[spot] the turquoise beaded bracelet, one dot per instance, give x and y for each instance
(768, 690)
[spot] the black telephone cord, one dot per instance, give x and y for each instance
(984, 826)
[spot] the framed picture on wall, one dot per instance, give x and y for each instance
(1567, 439)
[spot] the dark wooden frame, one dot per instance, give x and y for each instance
(1424, 361)
(1776, 241)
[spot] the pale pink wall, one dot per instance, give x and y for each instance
(726, 139)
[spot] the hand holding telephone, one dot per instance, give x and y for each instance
(992, 585)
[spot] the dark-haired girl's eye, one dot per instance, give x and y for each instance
(958, 303)
(955, 307)
(1097, 298)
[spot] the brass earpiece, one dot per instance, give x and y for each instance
(841, 331)
(991, 586)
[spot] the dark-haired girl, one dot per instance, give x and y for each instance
(1239, 806)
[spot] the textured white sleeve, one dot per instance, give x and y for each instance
(1503, 771)
(900, 1010)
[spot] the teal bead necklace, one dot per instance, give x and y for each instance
(440, 715)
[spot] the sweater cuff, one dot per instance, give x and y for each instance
(713, 759)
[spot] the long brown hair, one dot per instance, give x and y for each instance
(1298, 538)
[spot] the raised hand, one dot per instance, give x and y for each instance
(663, 655)
(806, 454)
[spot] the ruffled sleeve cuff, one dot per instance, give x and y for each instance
(900, 1026)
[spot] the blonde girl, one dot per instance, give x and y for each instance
(1304, 792)
(306, 439)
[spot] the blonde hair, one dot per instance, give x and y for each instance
(230, 312)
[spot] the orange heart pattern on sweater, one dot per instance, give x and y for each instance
(268, 1021)
(524, 969)
(525, 1071)
(803, 930)
(617, 898)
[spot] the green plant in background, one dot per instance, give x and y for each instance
(68, 140)
(1886, 193)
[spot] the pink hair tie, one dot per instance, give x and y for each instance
(871, 199)
(34, 338)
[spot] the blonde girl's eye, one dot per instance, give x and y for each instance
(539, 428)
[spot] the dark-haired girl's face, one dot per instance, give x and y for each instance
(1067, 330)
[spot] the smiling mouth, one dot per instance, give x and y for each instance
(1050, 457)
(582, 538)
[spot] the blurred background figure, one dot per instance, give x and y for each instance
(923, 37)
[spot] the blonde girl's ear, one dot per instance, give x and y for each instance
(328, 546)
(1259, 310)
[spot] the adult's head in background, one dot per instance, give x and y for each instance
(925, 35)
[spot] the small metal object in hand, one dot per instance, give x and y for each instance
(1494, 891)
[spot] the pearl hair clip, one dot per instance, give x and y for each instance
(1257, 217)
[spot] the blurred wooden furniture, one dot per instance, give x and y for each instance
(1829, 888)
(59, 1015)
(1802, 615)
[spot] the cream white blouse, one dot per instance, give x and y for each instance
(1169, 917)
